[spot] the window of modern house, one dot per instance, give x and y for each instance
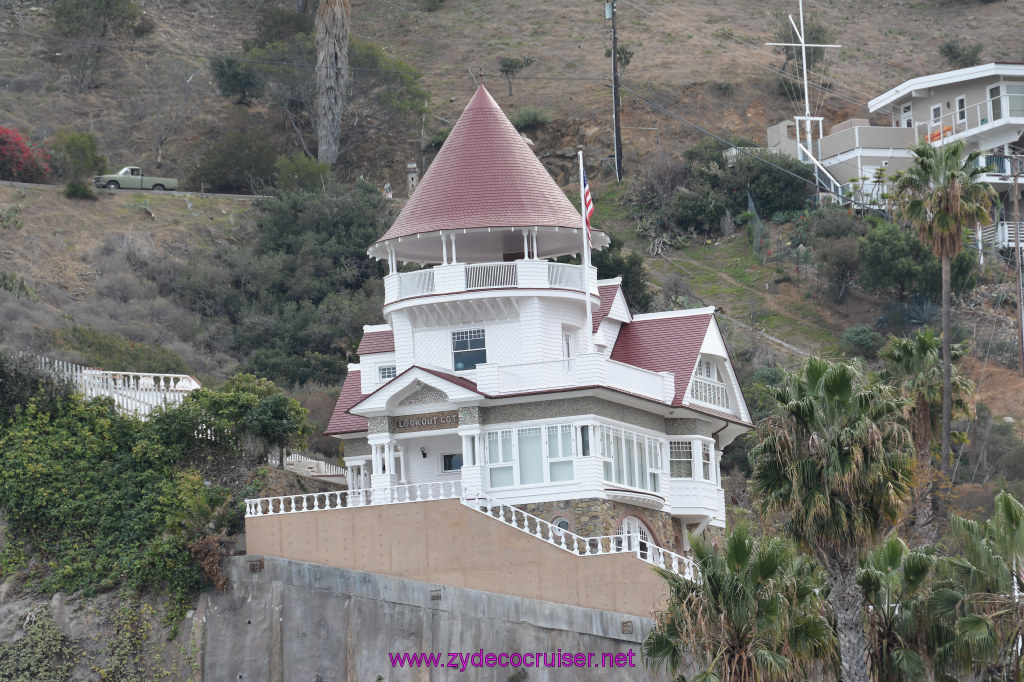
(961, 108)
(1015, 95)
(680, 455)
(451, 462)
(468, 349)
(907, 116)
(387, 372)
(936, 113)
(995, 103)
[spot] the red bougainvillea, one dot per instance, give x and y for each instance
(20, 162)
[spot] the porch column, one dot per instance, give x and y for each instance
(534, 234)
(454, 258)
(444, 249)
(405, 468)
(526, 244)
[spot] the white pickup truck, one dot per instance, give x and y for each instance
(131, 177)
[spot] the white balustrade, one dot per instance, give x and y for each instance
(709, 392)
(416, 283)
(565, 276)
(312, 467)
(137, 393)
(491, 275)
(623, 543)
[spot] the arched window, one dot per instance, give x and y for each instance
(637, 536)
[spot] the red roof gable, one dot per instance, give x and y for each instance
(666, 344)
(607, 293)
(377, 342)
(341, 421)
(485, 175)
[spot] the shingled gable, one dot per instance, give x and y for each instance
(664, 344)
(377, 342)
(485, 176)
(341, 421)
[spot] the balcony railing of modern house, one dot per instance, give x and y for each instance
(587, 369)
(462, 277)
(625, 543)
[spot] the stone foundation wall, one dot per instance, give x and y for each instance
(591, 517)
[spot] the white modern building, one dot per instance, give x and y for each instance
(983, 105)
(489, 375)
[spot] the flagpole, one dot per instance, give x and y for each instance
(586, 261)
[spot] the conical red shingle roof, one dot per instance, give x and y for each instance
(485, 175)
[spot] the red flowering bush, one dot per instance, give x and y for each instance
(19, 161)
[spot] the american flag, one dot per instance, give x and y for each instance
(588, 204)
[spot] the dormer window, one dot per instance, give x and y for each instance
(708, 386)
(468, 349)
(388, 372)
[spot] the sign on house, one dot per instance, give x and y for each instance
(431, 421)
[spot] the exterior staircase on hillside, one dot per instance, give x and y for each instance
(544, 531)
(136, 393)
(315, 468)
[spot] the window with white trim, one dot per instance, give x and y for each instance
(961, 108)
(388, 372)
(708, 385)
(630, 458)
(706, 461)
(501, 458)
(907, 116)
(936, 113)
(452, 462)
(559, 452)
(995, 102)
(469, 349)
(680, 455)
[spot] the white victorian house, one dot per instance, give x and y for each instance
(483, 378)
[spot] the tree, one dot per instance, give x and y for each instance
(94, 17)
(896, 582)
(332, 25)
(834, 458)
(752, 611)
(914, 366)
(960, 55)
(625, 56)
(77, 158)
(944, 195)
(167, 102)
(838, 264)
(979, 600)
(511, 67)
(237, 78)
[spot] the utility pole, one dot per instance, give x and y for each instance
(609, 13)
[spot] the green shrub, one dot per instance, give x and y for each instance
(12, 283)
(300, 173)
(237, 162)
(960, 55)
(143, 27)
(116, 353)
(860, 339)
(528, 118)
(76, 157)
(438, 139)
(94, 17)
(44, 654)
(698, 211)
(76, 189)
(275, 25)
(236, 78)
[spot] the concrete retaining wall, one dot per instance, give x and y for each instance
(293, 620)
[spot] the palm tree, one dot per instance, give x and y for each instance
(981, 600)
(942, 195)
(896, 584)
(753, 612)
(914, 366)
(836, 462)
(332, 26)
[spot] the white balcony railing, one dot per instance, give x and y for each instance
(491, 275)
(709, 392)
(459, 277)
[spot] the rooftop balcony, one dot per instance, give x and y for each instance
(456, 278)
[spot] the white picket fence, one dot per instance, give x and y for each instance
(307, 466)
(137, 393)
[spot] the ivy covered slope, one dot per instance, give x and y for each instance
(95, 500)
